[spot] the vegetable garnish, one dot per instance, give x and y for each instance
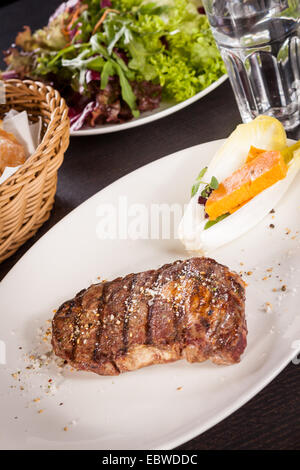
(106, 12)
(196, 185)
(253, 153)
(209, 187)
(147, 51)
(245, 183)
(261, 170)
(254, 168)
(287, 152)
(210, 223)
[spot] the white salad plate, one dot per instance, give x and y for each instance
(161, 406)
(162, 111)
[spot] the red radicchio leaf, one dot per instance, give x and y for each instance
(92, 75)
(113, 112)
(105, 4)
(7, 75)
(202, 200)
(148, 95)
(69, 5)
(78, 121)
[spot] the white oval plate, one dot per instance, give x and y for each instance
(161, 406)
(162, 111)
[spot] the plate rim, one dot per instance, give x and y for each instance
(109, 128)
(253, 391)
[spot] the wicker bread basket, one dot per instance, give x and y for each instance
(27, 197)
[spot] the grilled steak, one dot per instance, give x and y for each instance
(193, 309)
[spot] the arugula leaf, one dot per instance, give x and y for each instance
(209, 186)
(108, 70)
(202, 173)
(65, 51)
(129, 73)
(115, 39)
(95, 64)
(127, 93)
(97, 46)
(111, 66)
(210, 223)
(214, 184)
(195, 188)
(153, 9)
(82, 61)
(206, 191)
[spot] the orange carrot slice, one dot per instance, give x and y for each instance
(107, 11)
(234, 209)
(245, 183)
(253, 153)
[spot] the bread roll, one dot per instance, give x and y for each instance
(12, 153)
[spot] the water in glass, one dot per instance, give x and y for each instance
(260, 44)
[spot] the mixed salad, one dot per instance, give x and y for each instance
(113, 59)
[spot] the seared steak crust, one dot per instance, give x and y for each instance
(193, 309)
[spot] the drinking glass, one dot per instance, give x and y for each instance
(259, 41)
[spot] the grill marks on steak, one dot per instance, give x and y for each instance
(191, 309)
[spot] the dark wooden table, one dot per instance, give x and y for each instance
(271, 420)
